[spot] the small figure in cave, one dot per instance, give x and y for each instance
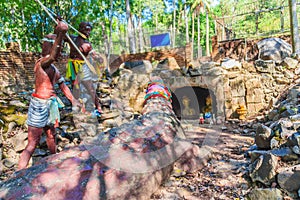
(208, 105)
(187, 111)
(201, 118)
(84, 81)
(43, 112)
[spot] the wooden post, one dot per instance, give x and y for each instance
(294, 26)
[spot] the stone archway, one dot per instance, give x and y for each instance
(214, 85)
(189, 102)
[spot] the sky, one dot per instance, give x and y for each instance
(215, 2)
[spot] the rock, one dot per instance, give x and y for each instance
(231, 64)
(288, 74)
(266, 193)
(296, 150)
(217, 71)
(17, 103)
(274, 143)
(286, 154)
(126, 162)
(290, 63)
(264, 169)
(272, 114)
(265, 66)
(293, 140)
(297, 70)
(110, 115)
(11, 125)
(89, 129)
(140, 67)
(109, 123)
(288, 178)
(39, 152)
(19, 141)
(274, 49)
(263, 137)
(8, 163)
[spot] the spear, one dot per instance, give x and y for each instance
(90, 66)
(79, 33)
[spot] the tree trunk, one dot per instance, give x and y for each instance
(174, 24)
(105, 38)
(186, 24)
(207, 34)
(110, 30)
(130, 29)
(281, 19)
(156, 22)
(199, 37)
(140, 32)
(179, 17)
(294, 26)
(193, 34)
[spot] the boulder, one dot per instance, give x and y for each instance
(274, 49)
(288, 178)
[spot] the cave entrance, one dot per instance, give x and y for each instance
(188, 102)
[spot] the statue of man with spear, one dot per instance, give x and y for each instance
(79, 69)
(43, 112)
(84, 81)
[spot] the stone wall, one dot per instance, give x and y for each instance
(16, 68)
(255, 85)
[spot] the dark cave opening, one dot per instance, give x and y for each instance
(188, 102)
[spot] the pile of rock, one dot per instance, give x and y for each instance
(73, 127)
(275, 157)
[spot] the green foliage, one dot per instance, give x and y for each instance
(26, 22)
(248, 18)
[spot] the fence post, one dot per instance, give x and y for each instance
(294, 26)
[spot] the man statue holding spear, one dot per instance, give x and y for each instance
(84, 81)
(84, 73)
(43, 112)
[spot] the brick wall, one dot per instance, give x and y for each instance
(16, 68)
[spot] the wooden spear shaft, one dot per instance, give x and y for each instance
(71, 41)
(79, 33)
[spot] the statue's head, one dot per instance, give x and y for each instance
(85, 28)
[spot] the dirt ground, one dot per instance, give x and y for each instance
(224, 176)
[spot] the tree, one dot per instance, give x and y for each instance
(130, 31)
(174, 24)
(294, 26)
(198, 6)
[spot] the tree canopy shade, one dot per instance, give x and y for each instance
(126, 25)
(25, 22)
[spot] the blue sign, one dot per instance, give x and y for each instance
(160, 40)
